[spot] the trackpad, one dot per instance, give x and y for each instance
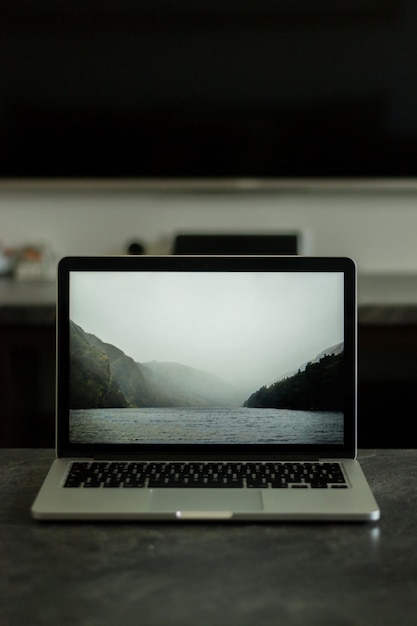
(205, 500)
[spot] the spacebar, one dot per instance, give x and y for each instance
(196, 485)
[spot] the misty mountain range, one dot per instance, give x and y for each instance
(335, 350)
(102, 376)
(317, 386)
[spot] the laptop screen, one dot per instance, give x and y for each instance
(221, 357)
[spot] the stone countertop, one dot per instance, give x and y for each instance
(387, 289)
(27, 302)
(201, 574)
(387, 315)
(387, 299)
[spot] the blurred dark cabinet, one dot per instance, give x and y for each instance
(387, 393)
(27, 384)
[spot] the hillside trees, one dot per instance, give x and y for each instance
(318, 387)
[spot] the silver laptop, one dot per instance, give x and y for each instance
(206, 388)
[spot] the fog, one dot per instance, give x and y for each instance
(248, 329)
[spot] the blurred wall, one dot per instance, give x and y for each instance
(377, 228)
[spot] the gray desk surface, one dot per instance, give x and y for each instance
(209, 574)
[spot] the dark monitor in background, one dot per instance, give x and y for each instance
(236, 244)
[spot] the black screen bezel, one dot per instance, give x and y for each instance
(206, 264)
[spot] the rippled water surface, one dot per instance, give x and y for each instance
(205, 426)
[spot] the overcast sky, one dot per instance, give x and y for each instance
(249, 329)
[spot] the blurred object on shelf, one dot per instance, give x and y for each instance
(35, 262)
(237, 243)
(136, 248)
(6, 260)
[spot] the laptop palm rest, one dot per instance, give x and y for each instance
(196, 500)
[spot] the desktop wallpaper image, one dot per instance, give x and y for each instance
(194, 358)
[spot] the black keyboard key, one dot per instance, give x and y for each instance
(279, 485)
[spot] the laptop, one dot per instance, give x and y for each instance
(206, 388)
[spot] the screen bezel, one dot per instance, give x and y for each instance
(206, 264)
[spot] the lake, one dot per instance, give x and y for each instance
(205, 426)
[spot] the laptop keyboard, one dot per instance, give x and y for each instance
(273, 475)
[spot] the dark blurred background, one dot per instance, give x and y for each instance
(214, 88)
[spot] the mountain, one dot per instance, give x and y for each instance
(335, 350)
(180, 385)
(102, 376)
(316, 386)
